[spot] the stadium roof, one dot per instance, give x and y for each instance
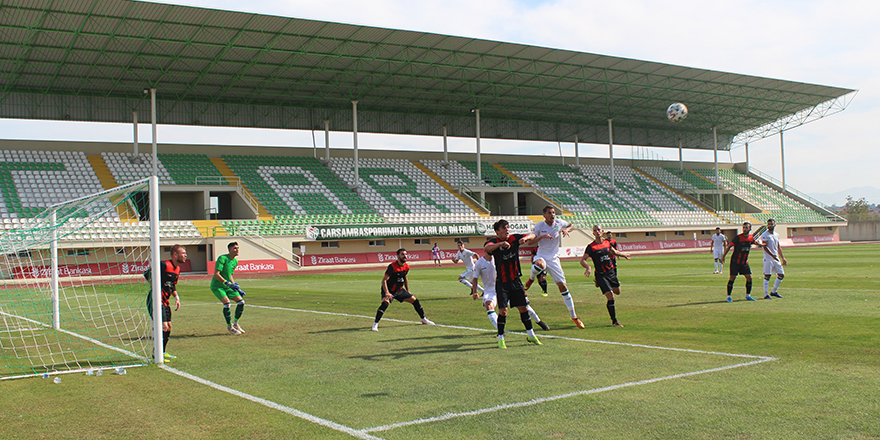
(90, 60)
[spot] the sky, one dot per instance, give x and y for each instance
(834, 43)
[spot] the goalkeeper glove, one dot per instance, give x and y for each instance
(237, 288)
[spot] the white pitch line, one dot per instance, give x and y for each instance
(447, 416)
(532, 402)
(276, 406)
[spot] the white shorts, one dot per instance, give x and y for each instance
(717, 253)
(468, 275)
(772, 266)
(554, 268)
(489, 295)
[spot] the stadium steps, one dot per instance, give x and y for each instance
(263, 213)
(204, 226)
(668, 188)
(448, 187)
(125, 211)
(522, 183)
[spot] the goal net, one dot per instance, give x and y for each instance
(72, 291)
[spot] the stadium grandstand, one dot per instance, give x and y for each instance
(110, 61)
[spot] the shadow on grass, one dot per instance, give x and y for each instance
(427, 350)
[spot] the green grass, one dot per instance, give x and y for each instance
(824, 336)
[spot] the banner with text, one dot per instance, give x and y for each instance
(354, 232)
(255, 266)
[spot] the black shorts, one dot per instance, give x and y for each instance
(607, 280)
(740, 269)
(401, 295)
(511, 293)
(166, 310)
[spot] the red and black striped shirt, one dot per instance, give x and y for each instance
(507, 260)
(601, 255)
(742, 244)
(396, 276)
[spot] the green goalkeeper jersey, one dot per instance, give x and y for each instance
(226, 266)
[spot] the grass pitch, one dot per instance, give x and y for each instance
(687, 364)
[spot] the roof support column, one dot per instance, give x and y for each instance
(134, 117)
(354, 125)
(782, 159)
(479, 160)
(611, 154)
(747, 158)
(445, 150)
(577, 155)
(717, 182)
(327, 139)
(155, 256)
(680, 158)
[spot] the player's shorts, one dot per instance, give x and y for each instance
(224, 292)
(740, 269)
(468, 275)
(554, 269)
(772, 266)
(717, 253)
(401, 295)
(489, 295)
(166, 309)
(512, 293)
(607, 281)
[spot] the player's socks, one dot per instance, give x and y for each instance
(466, 283)
(418, 308)
(569, 303)
(531, 332)
(381, 311)
(543, 284)
(533, 314)
(526, 320)
(239, 309)
(227, 314)
(534, 272)
(502, 320)
(165, 336)
(748, 288)
(766, 283)
(729, 287)
(776, 286)
(611, 311)
(493, 318)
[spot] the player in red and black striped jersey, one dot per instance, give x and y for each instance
(739, 261)
(509, 289)
(169, 274)
(396, 286)
(601, 252)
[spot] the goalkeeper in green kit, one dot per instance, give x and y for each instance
(226, 289)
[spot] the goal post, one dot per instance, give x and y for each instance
(72, 290)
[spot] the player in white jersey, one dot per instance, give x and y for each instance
(484, 269)
(466, 256)
(773, 259)
(548, 234)
(719, 242)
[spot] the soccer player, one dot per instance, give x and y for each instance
(718, 242)
(169, 274)
(739, 261)
(226, 289)
(600, 251)
(773, 259)
(609, 237)
(547, 235)
(538, 272)
(396, 286)
(466, 256)
(435, 254)
(504, 248)
(485, 269)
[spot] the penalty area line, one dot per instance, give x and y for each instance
(276, 406)
(537, 401)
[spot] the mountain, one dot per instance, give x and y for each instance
(870, 194)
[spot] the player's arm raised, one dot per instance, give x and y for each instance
(618, 253)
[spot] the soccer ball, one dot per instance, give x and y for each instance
(676, 112)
